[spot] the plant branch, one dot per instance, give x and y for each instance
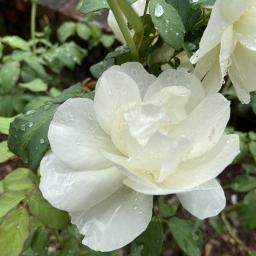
(124, 28)
(131, 16)
(33, 24)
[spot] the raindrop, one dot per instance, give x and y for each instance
(30, 124)
(42, 141)
(159, 10)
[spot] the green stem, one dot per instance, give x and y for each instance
(33, 24)
(124, 28)
(131, 16)
(232, 233)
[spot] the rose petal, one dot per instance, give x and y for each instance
(206, 201)
(194, 172)
(76, 138)
(205, 125)
(72, 190)
(113, 90)
(116, 221)
(177, 78)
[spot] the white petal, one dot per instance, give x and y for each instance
(76, 137)
(195, 172)
(72, 190)
(115, 27)
(205, 125)
(213, 79)
(142, 78)
(173, 100)
(242, 72)
(145, 120)
(206, 201)
(159, 157)
(182, 78)
(115, 222)
(226, 49)
(205, 64)
(245, 29)
(221, 18)
(114, 89)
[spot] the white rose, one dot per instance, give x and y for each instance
(141, 136)
(138, 6)
(229, 46)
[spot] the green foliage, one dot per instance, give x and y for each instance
(50, 217)
(14, 231)
(143, 245)
(243, 183)
(187, 235)
(28, 133)
(5, 154)
(8, 200)
(36, 85)
(5, 124)
(248, 210)
(166, 18)
(168, 209)
(87, 6)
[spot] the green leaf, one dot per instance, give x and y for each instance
(87, 6)
(37, 102)
(28, 134)
(49, 215)
(70, 54)
(5, 124)
(207, 3)
(252, 148)
(16, 42)
(36, 65)
(66, 30)
(183, 7)
(167, 209)
(28, 137)
(168, 23)
(9, 200)
(217, 224)
(83, 31)
(54, 92)
(243, 183)
(37, 85)
(98, 69)
(9, 75)
(107, 40)
(19, 179)
(187, 235)
(248, 211)
(5, 154)
(14, 232)
(150, 242)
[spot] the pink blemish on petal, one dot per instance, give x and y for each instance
(211, 135)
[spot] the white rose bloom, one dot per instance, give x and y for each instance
(141, 136)
(138, 6)
(229, 46)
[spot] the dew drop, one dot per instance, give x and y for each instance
(30, 124)
(42, 141)
(159, 10)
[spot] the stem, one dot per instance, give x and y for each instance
(33, 24)
(131, 16)
(232, 232)
(124, 28)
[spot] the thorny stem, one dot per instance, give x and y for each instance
(113, 4)
(33, 24)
